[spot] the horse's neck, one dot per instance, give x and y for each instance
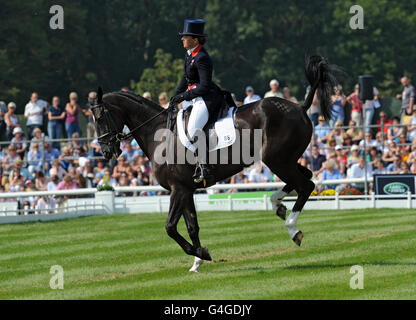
(145, 134)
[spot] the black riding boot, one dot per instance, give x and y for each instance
(202, 170)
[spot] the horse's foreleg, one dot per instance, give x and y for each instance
(277, 198)
(175, 213)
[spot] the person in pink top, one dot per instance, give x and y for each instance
(67, 184)
(357, 105)
(72, 110)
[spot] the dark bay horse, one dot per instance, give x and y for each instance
(286, 132)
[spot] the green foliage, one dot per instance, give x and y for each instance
(163, 77)
(105, 187)
(113, 42)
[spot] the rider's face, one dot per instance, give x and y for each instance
(189, 42)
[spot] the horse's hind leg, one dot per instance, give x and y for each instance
(277, 198)
(293, 176)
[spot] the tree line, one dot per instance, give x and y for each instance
(115, 43)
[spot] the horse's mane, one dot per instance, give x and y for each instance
(137, 99)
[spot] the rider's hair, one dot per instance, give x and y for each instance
(201, 40)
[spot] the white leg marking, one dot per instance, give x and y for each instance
(277, 197)
(291, 224)
(197, 263)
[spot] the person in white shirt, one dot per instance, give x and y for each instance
(357, 170)
(369, 141)
(259, 174)
(34, 112)
(274, 90)
(251, 97)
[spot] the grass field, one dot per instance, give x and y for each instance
(131, 257)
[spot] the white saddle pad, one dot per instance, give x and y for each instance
(224, 128)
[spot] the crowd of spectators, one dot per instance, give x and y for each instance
(37, 161)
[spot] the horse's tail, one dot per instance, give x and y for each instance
(321, 77)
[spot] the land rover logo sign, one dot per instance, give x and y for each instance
(396, 188)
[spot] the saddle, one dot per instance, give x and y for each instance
(219, 130)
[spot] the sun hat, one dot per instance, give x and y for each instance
(17, 130)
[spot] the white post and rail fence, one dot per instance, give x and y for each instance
(87, 202)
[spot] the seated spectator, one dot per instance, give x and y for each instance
(316, 160)
(259, 173)
(65, 158)
(355, 133)
(369, 141)
(9, 160)
(16, 182)
(358, 171)
(287, 96)
(41, 183)
(388, 157)
(394, 132)
(53, 184)
(385, 121)
(24, 172)
(413, 167)
(337, 133)
(239, 178)
(67, 184)
(322, 130)
(341, 158)
(379, 167)
(330, 148)
(147, 95)
(11, 120)
(356, 105)
(373, 156)
(37, 138)
(96, 148)
(51, 153)
(122, 166)
(394, 168)
(412, 154)
(163, 100)
(251, 97)
(129, 152)
(347, 141)
(330, 173)
(123, 181)
(99, 170)
(403, 142)
(404, 169)
(57, 170)
(80, 181)
(35, 159)
(107, 179)
(76, 143)
(354, 157)
(19, 141)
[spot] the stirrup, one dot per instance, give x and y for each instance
(203, 173)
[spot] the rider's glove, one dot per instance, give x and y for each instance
(177, 99)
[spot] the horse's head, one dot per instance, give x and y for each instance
(108, 125)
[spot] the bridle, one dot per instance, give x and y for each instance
(114, 136)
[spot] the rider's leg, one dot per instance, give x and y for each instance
(197, 120)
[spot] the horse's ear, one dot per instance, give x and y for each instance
(100, 94)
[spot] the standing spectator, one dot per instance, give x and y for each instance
(92, 101)
(34, 112)
(408, 98)
(369, 107)
(287, 96)
(56, 115)
(274, 90)
(251, 97)
(147, 95)
(411, 129)
(356, 104)
(11, 120)
(3, 111)
(163, 100)
(338, 103)
(19, 141)
(385, 121)
(315, 109)
(72, 110)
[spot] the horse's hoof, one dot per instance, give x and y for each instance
(298, 238)
(203, 253)
(281, 212)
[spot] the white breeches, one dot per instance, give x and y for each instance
(199, 115)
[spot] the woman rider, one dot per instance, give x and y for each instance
(196, 87)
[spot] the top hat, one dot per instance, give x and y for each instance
(194, 27)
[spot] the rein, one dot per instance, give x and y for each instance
(120, 136)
